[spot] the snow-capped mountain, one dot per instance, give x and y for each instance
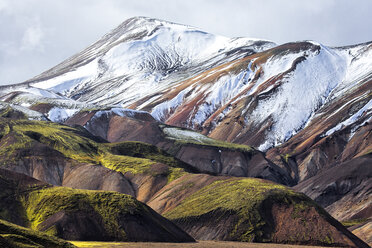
(306, 106)
(140, 57)
(241, 90)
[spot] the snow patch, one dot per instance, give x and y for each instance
(60, 115)
(352, 119)
(118, 111)
(159, 111)
(188, 135)
(221, 92)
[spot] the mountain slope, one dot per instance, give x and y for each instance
(306, 107)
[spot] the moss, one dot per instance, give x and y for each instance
(20, 241)
(23, 237)
(185, 136)
(245, 198)
(133, 157)
(143, 150)
(299, 209)
(125, 164)
(175, 173)
(43, 203)
(61, 138)
(9, 112)
(227, 194)
(4, 129)
(218, 144)
(350, 223)
(52, 231)
(10, 207)
(328, 240)
(286, 157)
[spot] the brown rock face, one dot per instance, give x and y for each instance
(97, 177)
(310, 227)
(343, 190)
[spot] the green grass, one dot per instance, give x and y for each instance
(350, 223)
(43, 203)
(144, 150)
(18, 236)
(244, 198)
(133, 157)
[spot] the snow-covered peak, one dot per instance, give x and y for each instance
(237, 89)
(142, 53)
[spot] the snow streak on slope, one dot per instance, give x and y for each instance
(354, 118)
(302, 92)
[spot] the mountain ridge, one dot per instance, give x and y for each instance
(145, 64)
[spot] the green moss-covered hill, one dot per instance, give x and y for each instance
(26, 141)
(251, 210)
(14, 236)
(75, 214)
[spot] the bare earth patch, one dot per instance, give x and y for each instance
(200, 244)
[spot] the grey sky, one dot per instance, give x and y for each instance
(38, 34)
